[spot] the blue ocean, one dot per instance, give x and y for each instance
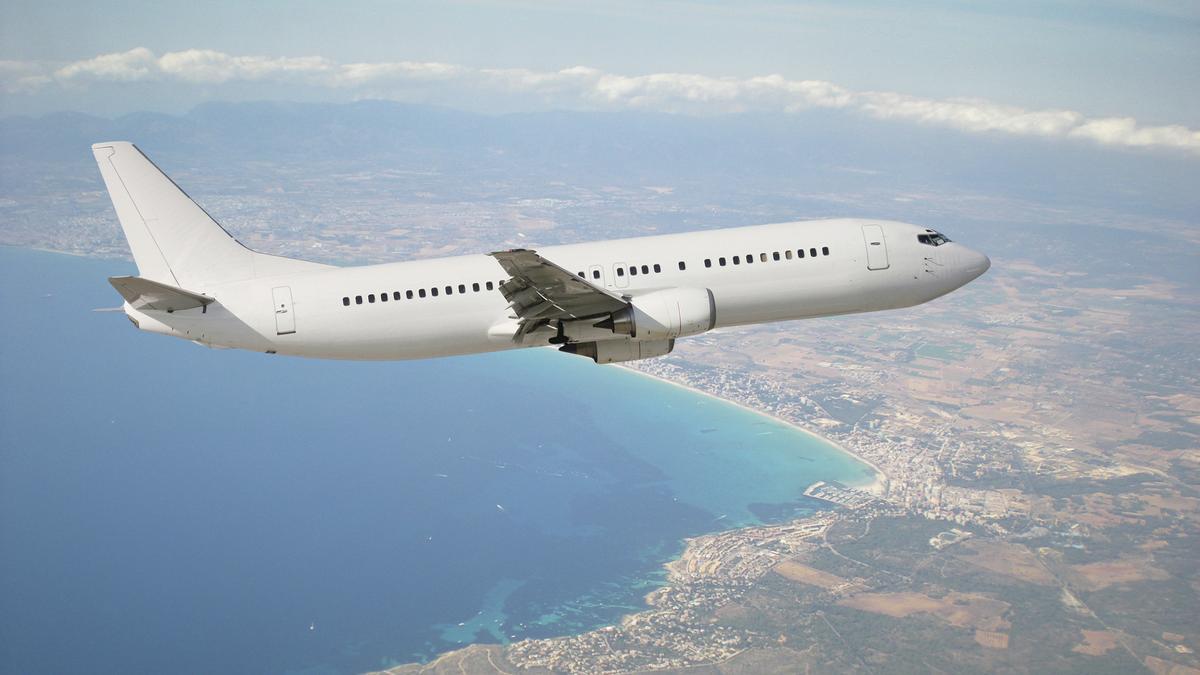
(170, 508)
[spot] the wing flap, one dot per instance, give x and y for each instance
(540, 292)
(146, 294)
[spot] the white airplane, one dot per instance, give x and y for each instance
(610, 301)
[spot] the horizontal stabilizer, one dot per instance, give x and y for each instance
(146, 294)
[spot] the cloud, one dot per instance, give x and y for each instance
(131, 66)
(1125, 131)
(196, 66)
(21, 77)
(589, 88)
(211, 67)
(969, 114)
(353, 74)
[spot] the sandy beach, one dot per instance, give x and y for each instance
(875, 486)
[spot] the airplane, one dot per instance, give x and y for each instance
(610, 301)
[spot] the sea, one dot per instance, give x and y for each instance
(165, 507)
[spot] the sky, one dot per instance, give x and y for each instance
(1122, 74)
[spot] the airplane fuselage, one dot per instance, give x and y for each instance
(448, 306)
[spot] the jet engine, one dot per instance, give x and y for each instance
(620, 349)
(665, 314)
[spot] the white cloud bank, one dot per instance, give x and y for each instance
(590, 88)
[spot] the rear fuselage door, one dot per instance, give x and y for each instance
(877, 255)
(285, 318)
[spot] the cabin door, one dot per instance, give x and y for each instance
(877, 256)
(285, 319)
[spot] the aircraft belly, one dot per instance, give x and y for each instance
(395, 333)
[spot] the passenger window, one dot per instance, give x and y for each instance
(595, 274)
(462, 288)
(449, 290)
(408, 294)
(421, 292)
(775, 255)
(396, 295)
(433, 291)
(475, 287)
(645, 269)
(708, 262)
(581, 275)
(633, 271)
(737, 260)
(682, 266)
(800, 253)
(657, 268)
(489, 285)
(358, 299)
(762, 257)
(620, 271)
(824, 250)
(346, 302)
(383, 297)
(788, 254)
(750, 259)
(370, 297)
(812, 252)
(721, 262)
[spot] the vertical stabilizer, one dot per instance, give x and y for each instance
(173, 240)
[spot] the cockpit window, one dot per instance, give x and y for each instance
(933, 238)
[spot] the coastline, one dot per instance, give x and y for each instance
(677, 568)
(875, 487)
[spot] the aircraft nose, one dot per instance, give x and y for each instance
(975, 264)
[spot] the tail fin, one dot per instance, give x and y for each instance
(174, 241)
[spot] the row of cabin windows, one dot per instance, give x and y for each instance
(737, 260)
(763, 257)
(422, 293)
(633, 271)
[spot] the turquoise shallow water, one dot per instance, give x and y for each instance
(165, 504)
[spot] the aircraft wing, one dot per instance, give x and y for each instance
(147, 294)
(540, 292)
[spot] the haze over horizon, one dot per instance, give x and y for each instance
(1111, 73)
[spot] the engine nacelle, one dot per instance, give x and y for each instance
(665, 314)
(620, 349)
